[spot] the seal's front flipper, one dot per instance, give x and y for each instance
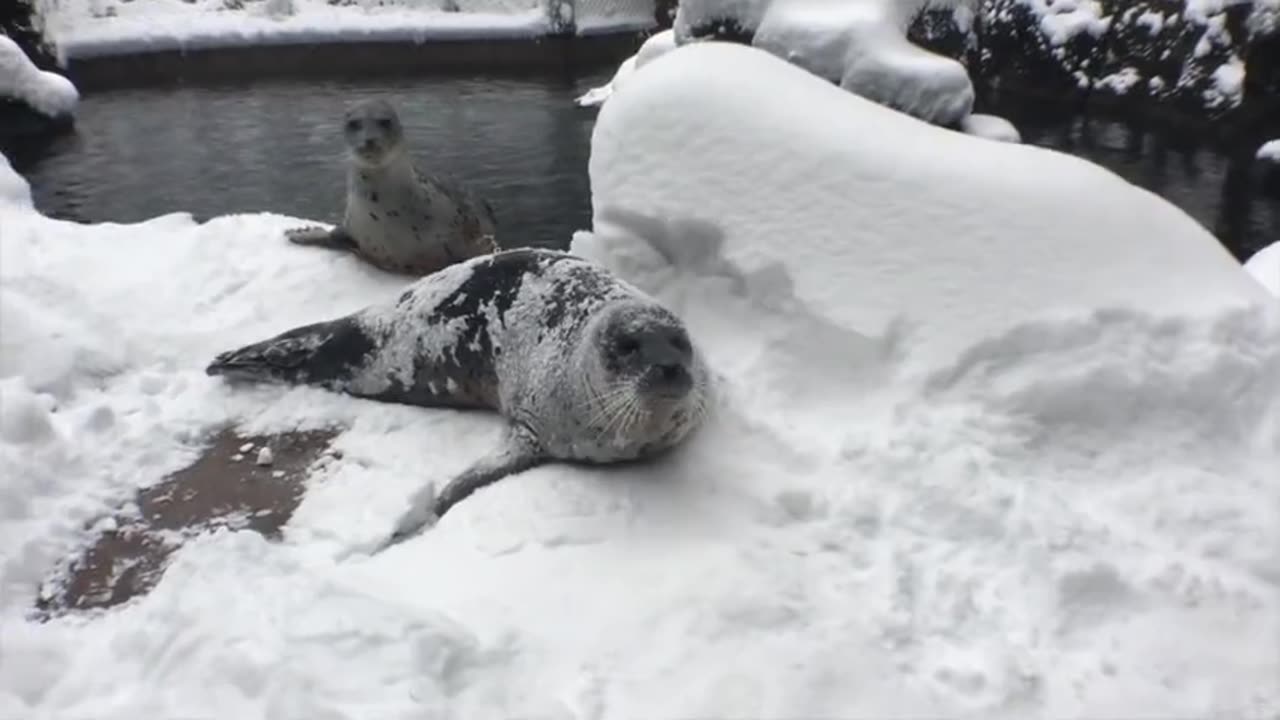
(336, 239)
(519, 452)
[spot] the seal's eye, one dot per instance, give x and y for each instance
(353, 125)
(681, 343)
(384, 123)
(628, 345)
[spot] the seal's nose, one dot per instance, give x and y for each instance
(369, 145)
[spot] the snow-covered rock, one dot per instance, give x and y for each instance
(990, 127)
(1270, 151)
(1265, 266)
(1064, 508)
(962, 236)
(49, 94)
(860, 44)
(655, 46)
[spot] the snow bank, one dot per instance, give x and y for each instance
(1265, 266)
(87, 28)
(46, 92)
(1270, 151)
(1026, 515)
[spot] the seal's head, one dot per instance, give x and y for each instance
(373, 132)
(646, 378)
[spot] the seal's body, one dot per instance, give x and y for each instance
(585, 367)
(398, 218)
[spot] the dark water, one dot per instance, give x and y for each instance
(521, 142)
(277, 147)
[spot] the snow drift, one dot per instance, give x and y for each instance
(972, 456)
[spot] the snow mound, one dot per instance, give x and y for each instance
(88, 28)
(656, 46)
(48, 93)
(991, 128)
(1041, 513)
(1265, 266)
(1270, 151)
(860, 44)
(958, 234)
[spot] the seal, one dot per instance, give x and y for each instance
(585, 367)
(398, 218)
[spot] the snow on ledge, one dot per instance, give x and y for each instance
(165, 25)
(48, 93)
(874, 216)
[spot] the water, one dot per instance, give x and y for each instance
(521, 142)
(277, 147)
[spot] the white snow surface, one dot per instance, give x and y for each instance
(1265, 266)
(48, 93)
(906, 503)
(1269, 151)
(87, 28)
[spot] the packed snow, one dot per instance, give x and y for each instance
(974, 454)
(48, 93)
(1265, 266)
(87, 28)
(1270, 151)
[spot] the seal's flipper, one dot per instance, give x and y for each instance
(324, 354)
(336, 239)
(519, 452)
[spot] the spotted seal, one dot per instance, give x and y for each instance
(585, 367)
(398, 218)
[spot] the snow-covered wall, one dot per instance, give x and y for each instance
(88, 28)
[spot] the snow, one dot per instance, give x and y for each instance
(48, 93)
(1270, 151)
(1228, 84)
(88, 28)
(975, 453)
(863, 45)
(656, 46)
(1063, 20)
(990, 127)
(1265, 266)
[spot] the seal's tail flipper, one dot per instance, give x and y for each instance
(317, 354)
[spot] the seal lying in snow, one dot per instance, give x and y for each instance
(398, 218)
(584, 366)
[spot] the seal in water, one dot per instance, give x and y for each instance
(398, 218)
(585, 367)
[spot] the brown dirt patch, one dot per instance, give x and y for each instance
(225, 487)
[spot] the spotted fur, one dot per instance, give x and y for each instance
(585, 367)
(397, 217)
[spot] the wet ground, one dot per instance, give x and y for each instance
(234, 484)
